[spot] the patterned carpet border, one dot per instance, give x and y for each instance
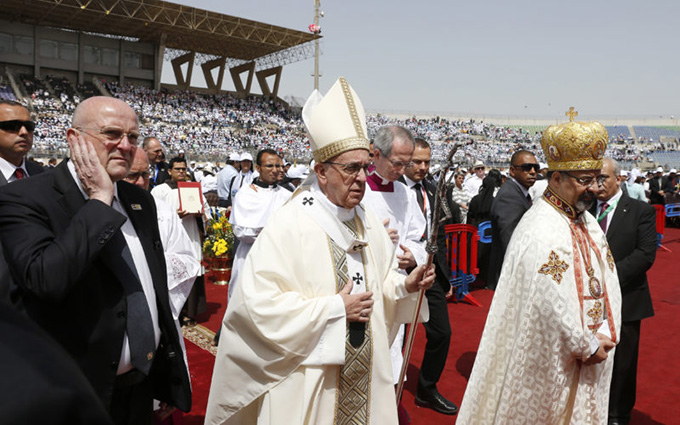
(201, 337)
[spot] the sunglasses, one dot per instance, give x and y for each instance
(15, 126)
(528, 167)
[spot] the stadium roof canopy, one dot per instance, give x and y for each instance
(153, 21)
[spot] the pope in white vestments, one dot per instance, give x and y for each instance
(547, 350)
(306, 333)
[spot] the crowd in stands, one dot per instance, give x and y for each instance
(208, 127)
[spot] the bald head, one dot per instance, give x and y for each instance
(111, 127)
(87, 111)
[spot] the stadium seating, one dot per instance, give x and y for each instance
(655, 133)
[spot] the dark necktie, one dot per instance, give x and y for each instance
(139, 325)
(529, 198)
(603, 222)
(419, 196)
(19, 173)
(357, 330)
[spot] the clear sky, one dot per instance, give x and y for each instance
(486, 57)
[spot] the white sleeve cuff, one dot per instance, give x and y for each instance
(594, 344)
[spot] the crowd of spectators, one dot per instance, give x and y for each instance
(207, 127)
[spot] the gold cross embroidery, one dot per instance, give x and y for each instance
(595, 313)
(610, 259)
(571, 113)
(554, 267)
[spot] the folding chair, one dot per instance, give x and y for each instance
(461, 244)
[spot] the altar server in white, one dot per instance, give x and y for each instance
(308, 324)
(253, 205)
(547, 350)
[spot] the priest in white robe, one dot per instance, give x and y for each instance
(181, 261)
(396, 205)
(252, 206)
(308, 324)
(547, 350)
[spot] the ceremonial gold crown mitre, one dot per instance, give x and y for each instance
(574, 145)
(336, 122)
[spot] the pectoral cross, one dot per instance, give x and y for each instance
(571, 113)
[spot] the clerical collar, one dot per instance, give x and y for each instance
(559, 203)
(258, 182)
(343, 214)
(379, 184)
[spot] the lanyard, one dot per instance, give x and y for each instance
(608, 210)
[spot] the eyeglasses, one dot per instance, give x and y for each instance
(143, 174)
(400, 164)
(15, 126)
(179, 170)
(528, 167)
(270, 166)
(587, 181)
(113, 135)
(352, 168)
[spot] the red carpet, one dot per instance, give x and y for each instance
(658, 372)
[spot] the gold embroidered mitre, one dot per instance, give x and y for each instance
(575, 145)
(336, 122)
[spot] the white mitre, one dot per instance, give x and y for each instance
(335, 123)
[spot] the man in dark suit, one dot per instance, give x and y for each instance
(159, 168)
(657, 184)
(630, 226)
(16, 139)
(438, 328)
(508, 207)
(85, 250)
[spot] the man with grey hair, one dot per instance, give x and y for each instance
(396, 205)
(630, 227)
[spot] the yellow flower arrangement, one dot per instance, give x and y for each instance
(219, 241)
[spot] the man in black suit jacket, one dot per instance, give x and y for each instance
(85, 250)
(438, 328)
(630, 226)
(508, 207)
(159, 168)
(657, 184)
(16, 139)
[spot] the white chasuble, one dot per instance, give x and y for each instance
(283, 336)
(558, 286)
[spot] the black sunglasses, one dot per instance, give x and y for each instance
(14, 126)
(527, 167)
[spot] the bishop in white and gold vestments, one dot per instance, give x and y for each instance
(288, 353)
(558, 288)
